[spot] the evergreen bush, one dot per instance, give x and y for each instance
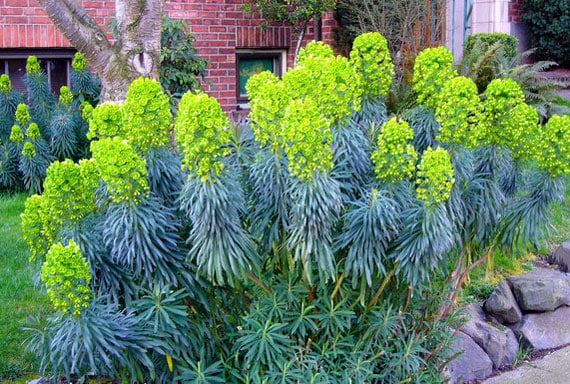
(180, 67)
(547, 22)
(282, 251)
(507, 42)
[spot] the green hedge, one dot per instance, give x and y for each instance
(548, 23)
(487, 39)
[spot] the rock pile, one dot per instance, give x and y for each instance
(531, 309)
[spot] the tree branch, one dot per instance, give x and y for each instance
(76, 25)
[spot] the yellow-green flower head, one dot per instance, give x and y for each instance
(22, 114)
(501, 96)
(395, 159)
(106, 120)
(554, 154)
(29, 150)
(432, 68)
(522, 129)
(16, 134)
(67, 276)
(202, 134)
(69, 190)
(5, 84)
(308, 136)
(65, 95)
(268, 99)
(435, 176)
(68, 196)
(371, 61)
(314, 49)
(35, 225)
(458, 112)
(329, 82)
(86, 111)
(32, 65)
(78, 63)
(122, 170)
(33, 131)
(147, 115)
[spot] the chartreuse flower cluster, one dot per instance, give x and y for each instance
(434, 176)
(122, 170)
(36, 229)
(66, 275)
(328, 81)
(308, 136)
(22, 114)
(106, 120)
(202, 134)
(16, 134)
(32, 65)
(69, 188)
(553, 153)
(432, 68)
(314, 49)
(395, 158)
(458, 111)
(501, 96)
(33, 131)
(29, 150)
(267, 101)
(372, 63)
(147, 115)
(68, 196)
(5, 84)
(65, 95)
(86, 111)
(78, 63)
(524, 132)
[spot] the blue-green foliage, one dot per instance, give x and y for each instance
(62, 131)
(275, 252)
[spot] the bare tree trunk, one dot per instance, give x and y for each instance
(135, 53)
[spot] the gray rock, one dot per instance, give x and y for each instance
(472, 364)
(545, 330)
(502, 304)
(561, 256)
(498, 342)
(40, 380)
(541, 290)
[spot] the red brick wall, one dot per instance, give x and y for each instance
(219, 27)
(515, 11)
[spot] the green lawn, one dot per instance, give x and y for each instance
(18, 296)
(561, 219)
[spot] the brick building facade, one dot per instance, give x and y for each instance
(223, 33)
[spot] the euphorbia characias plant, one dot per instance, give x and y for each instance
(290, 248)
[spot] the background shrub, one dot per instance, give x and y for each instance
(548, 22)
(180, 67)
(507, 42)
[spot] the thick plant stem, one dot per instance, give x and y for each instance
(445, 309)
(337, 286)
(388, 277)
(257, 281)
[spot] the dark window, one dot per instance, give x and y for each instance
(17, 71)
(57, 72)
(252, 62)
(55, 63)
